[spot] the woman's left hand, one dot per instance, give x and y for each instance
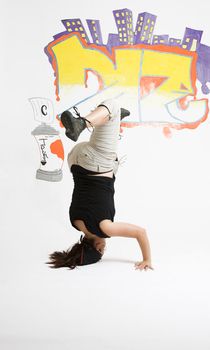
(143, 265)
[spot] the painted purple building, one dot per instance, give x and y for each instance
(124, 22)
(174, 42)
(75, 25)
(203, 67)
(160, 39)
(192, 39)
(144, 28)
(113, 40)
(95, 31)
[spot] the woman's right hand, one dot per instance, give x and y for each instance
(144, 265)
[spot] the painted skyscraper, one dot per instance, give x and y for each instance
(95, 31)
(113, 40)
(75, 25)
(174, 42)
(144, 28)
(192, 39)
(124, 22)
(160, 40)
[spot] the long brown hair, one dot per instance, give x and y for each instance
(82, 253)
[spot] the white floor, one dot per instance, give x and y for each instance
(164, 186)
(109, 305)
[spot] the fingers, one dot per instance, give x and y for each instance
(143, 266)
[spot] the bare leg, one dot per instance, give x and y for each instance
(74, 126)
(98, 117)
(114, 229)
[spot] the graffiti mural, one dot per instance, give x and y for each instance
(155, 75)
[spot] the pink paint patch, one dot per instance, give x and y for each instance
(121, 129)
(167, 132)
(183, 87)
(60, 123)
(100, 80)
(149, 84)
(184, 101)
(57, 148)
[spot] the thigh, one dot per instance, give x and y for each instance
(75, 154)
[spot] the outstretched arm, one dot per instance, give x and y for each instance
(146, 252)
(118, 229)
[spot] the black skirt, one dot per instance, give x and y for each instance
(92, 199)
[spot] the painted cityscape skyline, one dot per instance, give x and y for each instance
(143, 34)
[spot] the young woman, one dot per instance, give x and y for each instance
(93, 165)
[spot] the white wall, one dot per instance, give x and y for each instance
(164, 186)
